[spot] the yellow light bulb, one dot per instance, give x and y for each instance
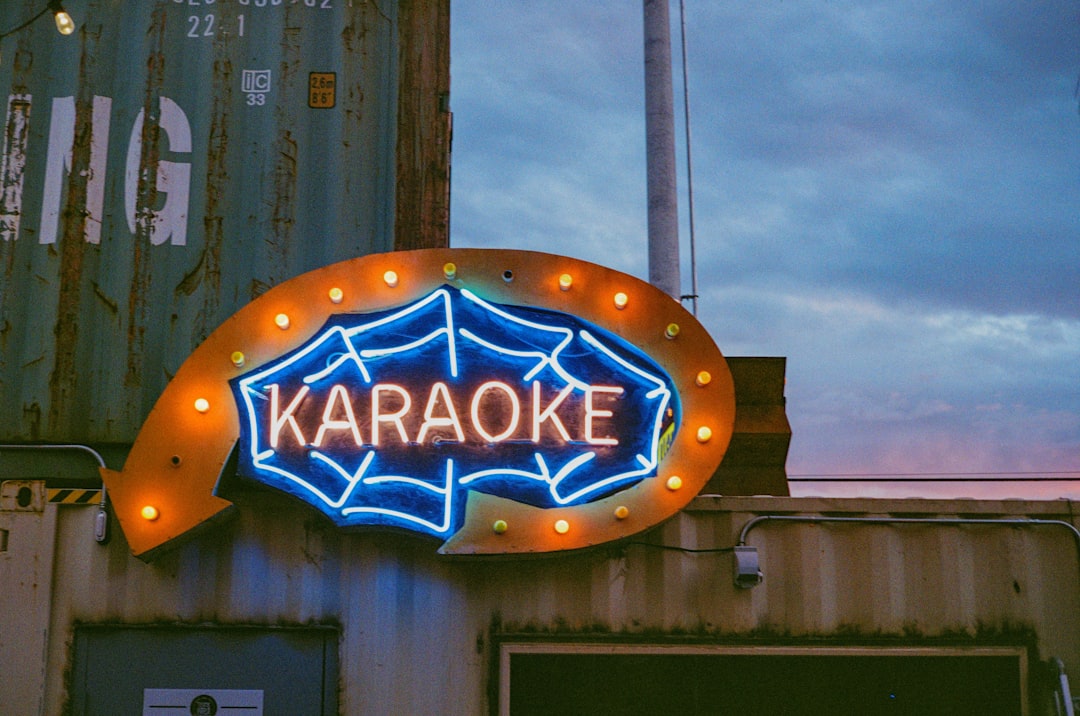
(566, 281)
(703, 378)
(621, 299)
(149, 513)
(64, 24)
(449, 269)
(282, 321)
(238, 358)
(674, 483)
(622, 512)
(336, 295)
(672, 330)
(390, 278)
(562, 526)
(202, 405)
(704, 434)
(500, 527)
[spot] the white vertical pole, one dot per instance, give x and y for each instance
(663, 208)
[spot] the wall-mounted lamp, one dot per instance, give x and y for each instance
(747, 568)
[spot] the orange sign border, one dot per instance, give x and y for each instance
(178, 456)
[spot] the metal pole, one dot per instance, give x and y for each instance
(663, 209)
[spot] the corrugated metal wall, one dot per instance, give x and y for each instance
(171, 160)
(419, 632)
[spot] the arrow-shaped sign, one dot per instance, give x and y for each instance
(167, 486)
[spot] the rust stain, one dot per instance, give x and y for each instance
(64, 413)
(146, 197)
(284, 216)
(32, 420)
(217, 181)
(109, 303)
(258, 288)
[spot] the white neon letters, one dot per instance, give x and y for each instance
(494, 415)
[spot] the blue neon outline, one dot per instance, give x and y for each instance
(447, 492)
(354, 482)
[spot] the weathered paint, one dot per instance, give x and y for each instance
(183, 486)
(166, 164)
(420, 634)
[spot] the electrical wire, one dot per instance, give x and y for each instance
(693, 296)
(24, 25)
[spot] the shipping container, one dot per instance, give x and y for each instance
(173, 159)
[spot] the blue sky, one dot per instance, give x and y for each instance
(888, 194)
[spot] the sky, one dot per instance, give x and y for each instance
(885, 193)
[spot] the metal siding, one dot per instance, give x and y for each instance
(26, 561)
(93, 324)
(417, 629)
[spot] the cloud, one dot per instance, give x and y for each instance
(885, 193)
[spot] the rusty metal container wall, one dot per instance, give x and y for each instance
(420, 632)
(161, 167)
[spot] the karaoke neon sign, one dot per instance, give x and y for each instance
(390, 418)
(499, 401)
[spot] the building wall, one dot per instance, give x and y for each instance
(420, 633)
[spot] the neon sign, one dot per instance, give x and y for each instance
(391, 417)
(500, 401)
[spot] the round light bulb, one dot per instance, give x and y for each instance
(238, 358)
(64, 24)
(391, 278)
(566, 281)
(500, 527)
(703, 378)
(336, 295)
(621, 299)
(562, 526)
(674, 483)
(622, 512)
(672, 330)
(449, 269)
(282, 321)
(202, 405)
(704, 434)
(149, 513)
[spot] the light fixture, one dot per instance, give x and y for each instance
(390, 278)
(237, 359)
(282, 320)
(202, 405)
(621, 299)
(703, 378)
(149, 513)
(704, 434)
(671, 331)
(674, 483)
(562, 526)
(500, 527)
(566, 281)
(336, 295)
(64, 24)
(449, 270)
(622, 512)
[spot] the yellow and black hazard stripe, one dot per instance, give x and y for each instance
(74, 496)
